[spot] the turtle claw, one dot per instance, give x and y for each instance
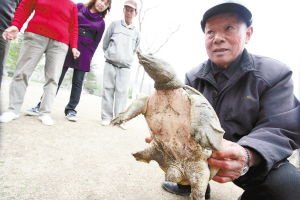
(116, 121)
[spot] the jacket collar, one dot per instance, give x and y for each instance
(246, 65)
(131, 26)
(229, 71)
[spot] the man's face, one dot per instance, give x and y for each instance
(225, 38)
(129, 13)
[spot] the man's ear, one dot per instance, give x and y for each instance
(249, 33)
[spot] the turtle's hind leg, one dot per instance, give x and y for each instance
(198, 176)
(174, 174)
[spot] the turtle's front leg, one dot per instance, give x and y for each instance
(132, 111)
(146, 155)
(152, 153)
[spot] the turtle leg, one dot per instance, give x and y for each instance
(174, 174)
(198, 175)
(146, 155)
(152, 153)
(132, 111)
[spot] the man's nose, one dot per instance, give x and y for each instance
(219, 38)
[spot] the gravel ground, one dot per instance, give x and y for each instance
(81, 160)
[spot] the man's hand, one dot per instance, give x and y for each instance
(230, 160)
(148, 139)
(10, 33)
(75, 53)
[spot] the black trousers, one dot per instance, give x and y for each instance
(4, 47)
(77, 83)
(282, 183)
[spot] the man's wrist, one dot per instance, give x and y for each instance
(247, 162)
(254, 158)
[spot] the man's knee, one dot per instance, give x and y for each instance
(281, 183)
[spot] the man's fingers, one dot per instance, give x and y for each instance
(225, 164)
(148, 139)
(232, 174)
(224, 176)
(222, 179)
(230, 150)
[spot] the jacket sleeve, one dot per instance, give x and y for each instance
(187, 80)
(73, 28)
(107, 36)
(23, 11)
(99, 35)
(277, 131)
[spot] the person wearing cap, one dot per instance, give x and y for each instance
(120, 44)
(253, 98)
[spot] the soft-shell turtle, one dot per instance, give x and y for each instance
(184, 127)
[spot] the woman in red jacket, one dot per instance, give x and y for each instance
(51, 30)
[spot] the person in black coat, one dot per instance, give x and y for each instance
(7, 10)
(253, 98)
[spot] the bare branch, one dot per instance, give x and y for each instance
(148, 47)
(143, 13)
(167, 39)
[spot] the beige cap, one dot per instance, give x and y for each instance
(131, 4)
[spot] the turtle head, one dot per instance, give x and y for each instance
(160, 71)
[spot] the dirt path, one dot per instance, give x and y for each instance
(79, 161)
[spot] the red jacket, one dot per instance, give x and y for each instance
(53, 19)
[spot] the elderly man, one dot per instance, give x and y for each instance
(253, 97)
(120, 44)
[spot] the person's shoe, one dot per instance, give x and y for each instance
(46, 119)
(123, 126)
(35, 111)
(71, 116)
(174, 188)
(105, 122)
(182, 190)
(8, 116)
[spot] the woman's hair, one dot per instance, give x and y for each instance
(92, 2)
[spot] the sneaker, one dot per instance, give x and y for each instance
(71, 116)
(46, 119)
(35, 111)
(123, 126)
(8, 116)
(105, 122)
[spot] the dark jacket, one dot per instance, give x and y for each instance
(257, 109)
(7, 10)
